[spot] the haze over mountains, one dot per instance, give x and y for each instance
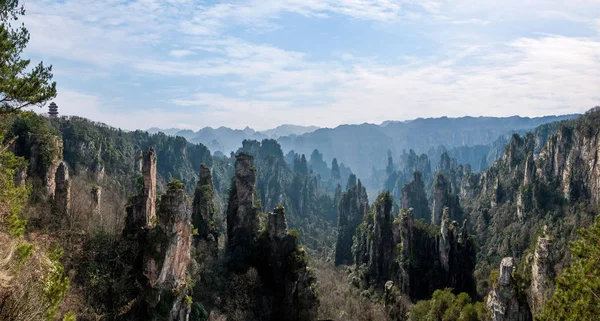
(363, 147)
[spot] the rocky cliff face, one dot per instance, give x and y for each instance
(287, 287)
(164, 243)
(96, 196)
(540, 275)
(416, 256)
(61, 203)
(141, 210)
(380, 241)
(242, 214)
(204, 208)
(45, 155)
(414, 196)
(571, 156)
(167, 255)
(503, 301)
(352, 207)
(282, 265)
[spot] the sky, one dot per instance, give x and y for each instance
(138, 64)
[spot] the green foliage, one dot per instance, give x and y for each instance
(56, 283)
(198, 312)
(175, 185)
(20, 85)
(12, 197)
(294, 233)
(70, 316)
(16, 225)
(24, 251)
(577, 294)
(445, 306)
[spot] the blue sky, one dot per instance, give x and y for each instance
(189, 64)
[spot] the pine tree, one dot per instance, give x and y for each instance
(20, 86)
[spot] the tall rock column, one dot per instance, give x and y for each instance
(382, 246)
(502, 302)
(204, 208)
(62, 195)
(540, 278)
(141, 210)
(352, 207)
(96, 196)
(414, 196)
(441, 189)
(242, 214)
(149, 175)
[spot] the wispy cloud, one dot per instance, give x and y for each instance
(226, 63)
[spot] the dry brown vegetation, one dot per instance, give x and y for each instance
(340, 300)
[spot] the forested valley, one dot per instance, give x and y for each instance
(436, 219)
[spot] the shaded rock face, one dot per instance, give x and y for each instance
(469, 185)
(411, 254)
(277, 224)
(503, 302)
(204, 208)
(45, 155)
(287, 287)
(288, 283)
(540, 275)
(164, 243)
(529, 169)
(414, 196)
(61, 203)
(352, 207)
(96, 196)
(242, 214)
(381, 244)
(441, 189)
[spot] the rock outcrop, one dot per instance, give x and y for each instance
(414, 196)
(96, 196)
(571, 155)
(503, 301)
(441, 190)
(412, 254)
(203, 208)
(282, 265)
(380, 244)
(167, 255)
(540, 275)
(45, 155)
(164, 243)
(141, 210)
(352, 207)
(61, 204)
(242, 213)
(286, 290)
(149, 194)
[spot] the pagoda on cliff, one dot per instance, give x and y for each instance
(53, 110)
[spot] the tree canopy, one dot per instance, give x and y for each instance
(20, 85)
(577, 295)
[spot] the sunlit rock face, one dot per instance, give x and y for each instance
(503, 302)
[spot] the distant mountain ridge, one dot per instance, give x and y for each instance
(225, 139)
(363, 146)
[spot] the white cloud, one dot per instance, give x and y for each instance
(238, 82)
(180, 53)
